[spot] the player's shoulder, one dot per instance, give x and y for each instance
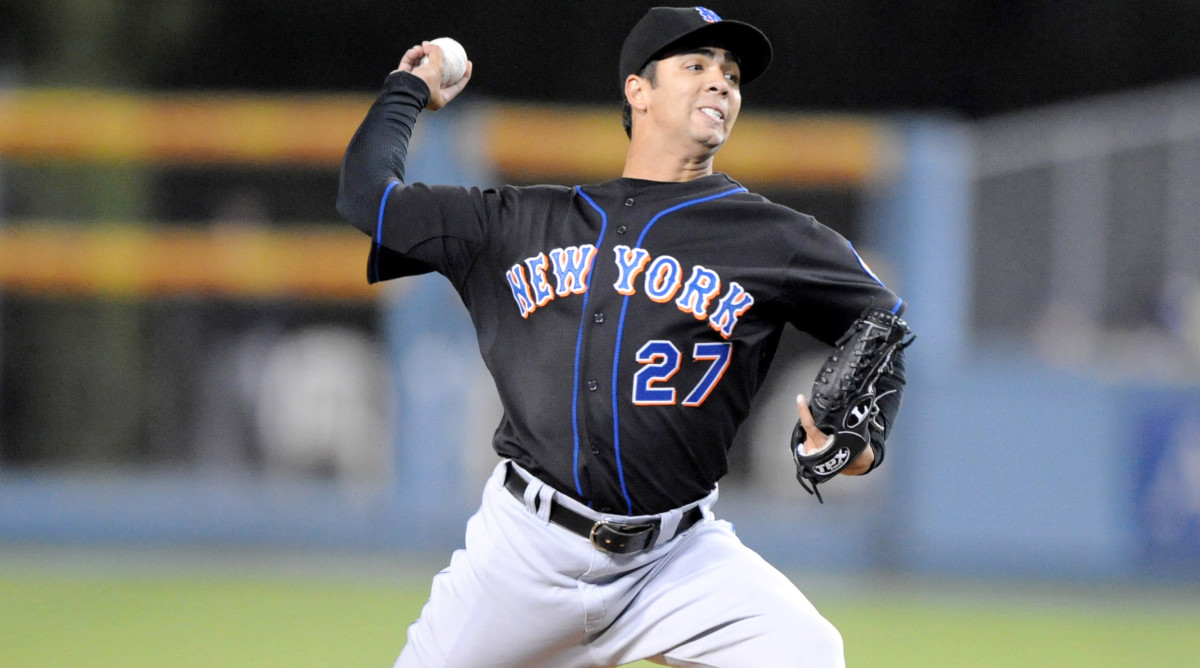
(544, 190)
(548, 191)
(764, 209)
(531, 196)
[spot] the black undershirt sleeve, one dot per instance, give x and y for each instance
(377, 153)
(415, 228)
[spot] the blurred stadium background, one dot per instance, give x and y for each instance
(206, 413)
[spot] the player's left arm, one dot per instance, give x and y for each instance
(890, 389)
(833, 288)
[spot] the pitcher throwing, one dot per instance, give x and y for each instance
(628, 325)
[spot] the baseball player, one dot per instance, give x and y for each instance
(628, 325)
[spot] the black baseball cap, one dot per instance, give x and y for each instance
(666, 29)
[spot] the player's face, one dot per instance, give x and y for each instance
(697, 96)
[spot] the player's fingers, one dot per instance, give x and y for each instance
(409, 61)
(436, 57)
(815, 438)
(430, 70)
(806, 417)
(444, 94)
(451, 91)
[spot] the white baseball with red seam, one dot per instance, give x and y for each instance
(454, 59)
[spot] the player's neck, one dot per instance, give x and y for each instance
(647, 160)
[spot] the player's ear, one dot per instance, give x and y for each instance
(635, 91)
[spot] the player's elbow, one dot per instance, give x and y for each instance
(349, 207)
(359, 207)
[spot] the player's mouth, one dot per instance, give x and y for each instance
(713, 113)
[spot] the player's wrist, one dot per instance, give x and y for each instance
(861, 464)
(401, 80)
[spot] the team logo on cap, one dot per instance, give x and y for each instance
(708, 14)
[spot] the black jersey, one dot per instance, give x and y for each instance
(627, 324)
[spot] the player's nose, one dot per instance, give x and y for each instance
(717, 82)
(719, 85)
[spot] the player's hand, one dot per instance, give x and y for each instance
(815, 439)
(431, 74)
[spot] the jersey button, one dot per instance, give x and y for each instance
(629, 202)
(598, 317)
(621, 229)
(595, 450)
(593, 385)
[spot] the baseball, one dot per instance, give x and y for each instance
(454, 61)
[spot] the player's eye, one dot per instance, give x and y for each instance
(733, 77)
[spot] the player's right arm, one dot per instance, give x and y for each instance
(416, 228)
(378, 151)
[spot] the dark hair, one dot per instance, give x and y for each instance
(647, 72)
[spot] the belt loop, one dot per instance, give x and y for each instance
(545, 496)
(531, 495)
(668, 523)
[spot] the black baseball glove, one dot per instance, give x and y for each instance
(844, 396)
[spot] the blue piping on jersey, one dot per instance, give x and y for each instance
(379, 228)
(861, 263)
(579, 349)
(621, 333)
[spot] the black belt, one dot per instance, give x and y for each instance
(609, 536)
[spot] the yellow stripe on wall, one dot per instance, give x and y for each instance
(96, 126)
(785, 150)
(129, 260)
(530, 142)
